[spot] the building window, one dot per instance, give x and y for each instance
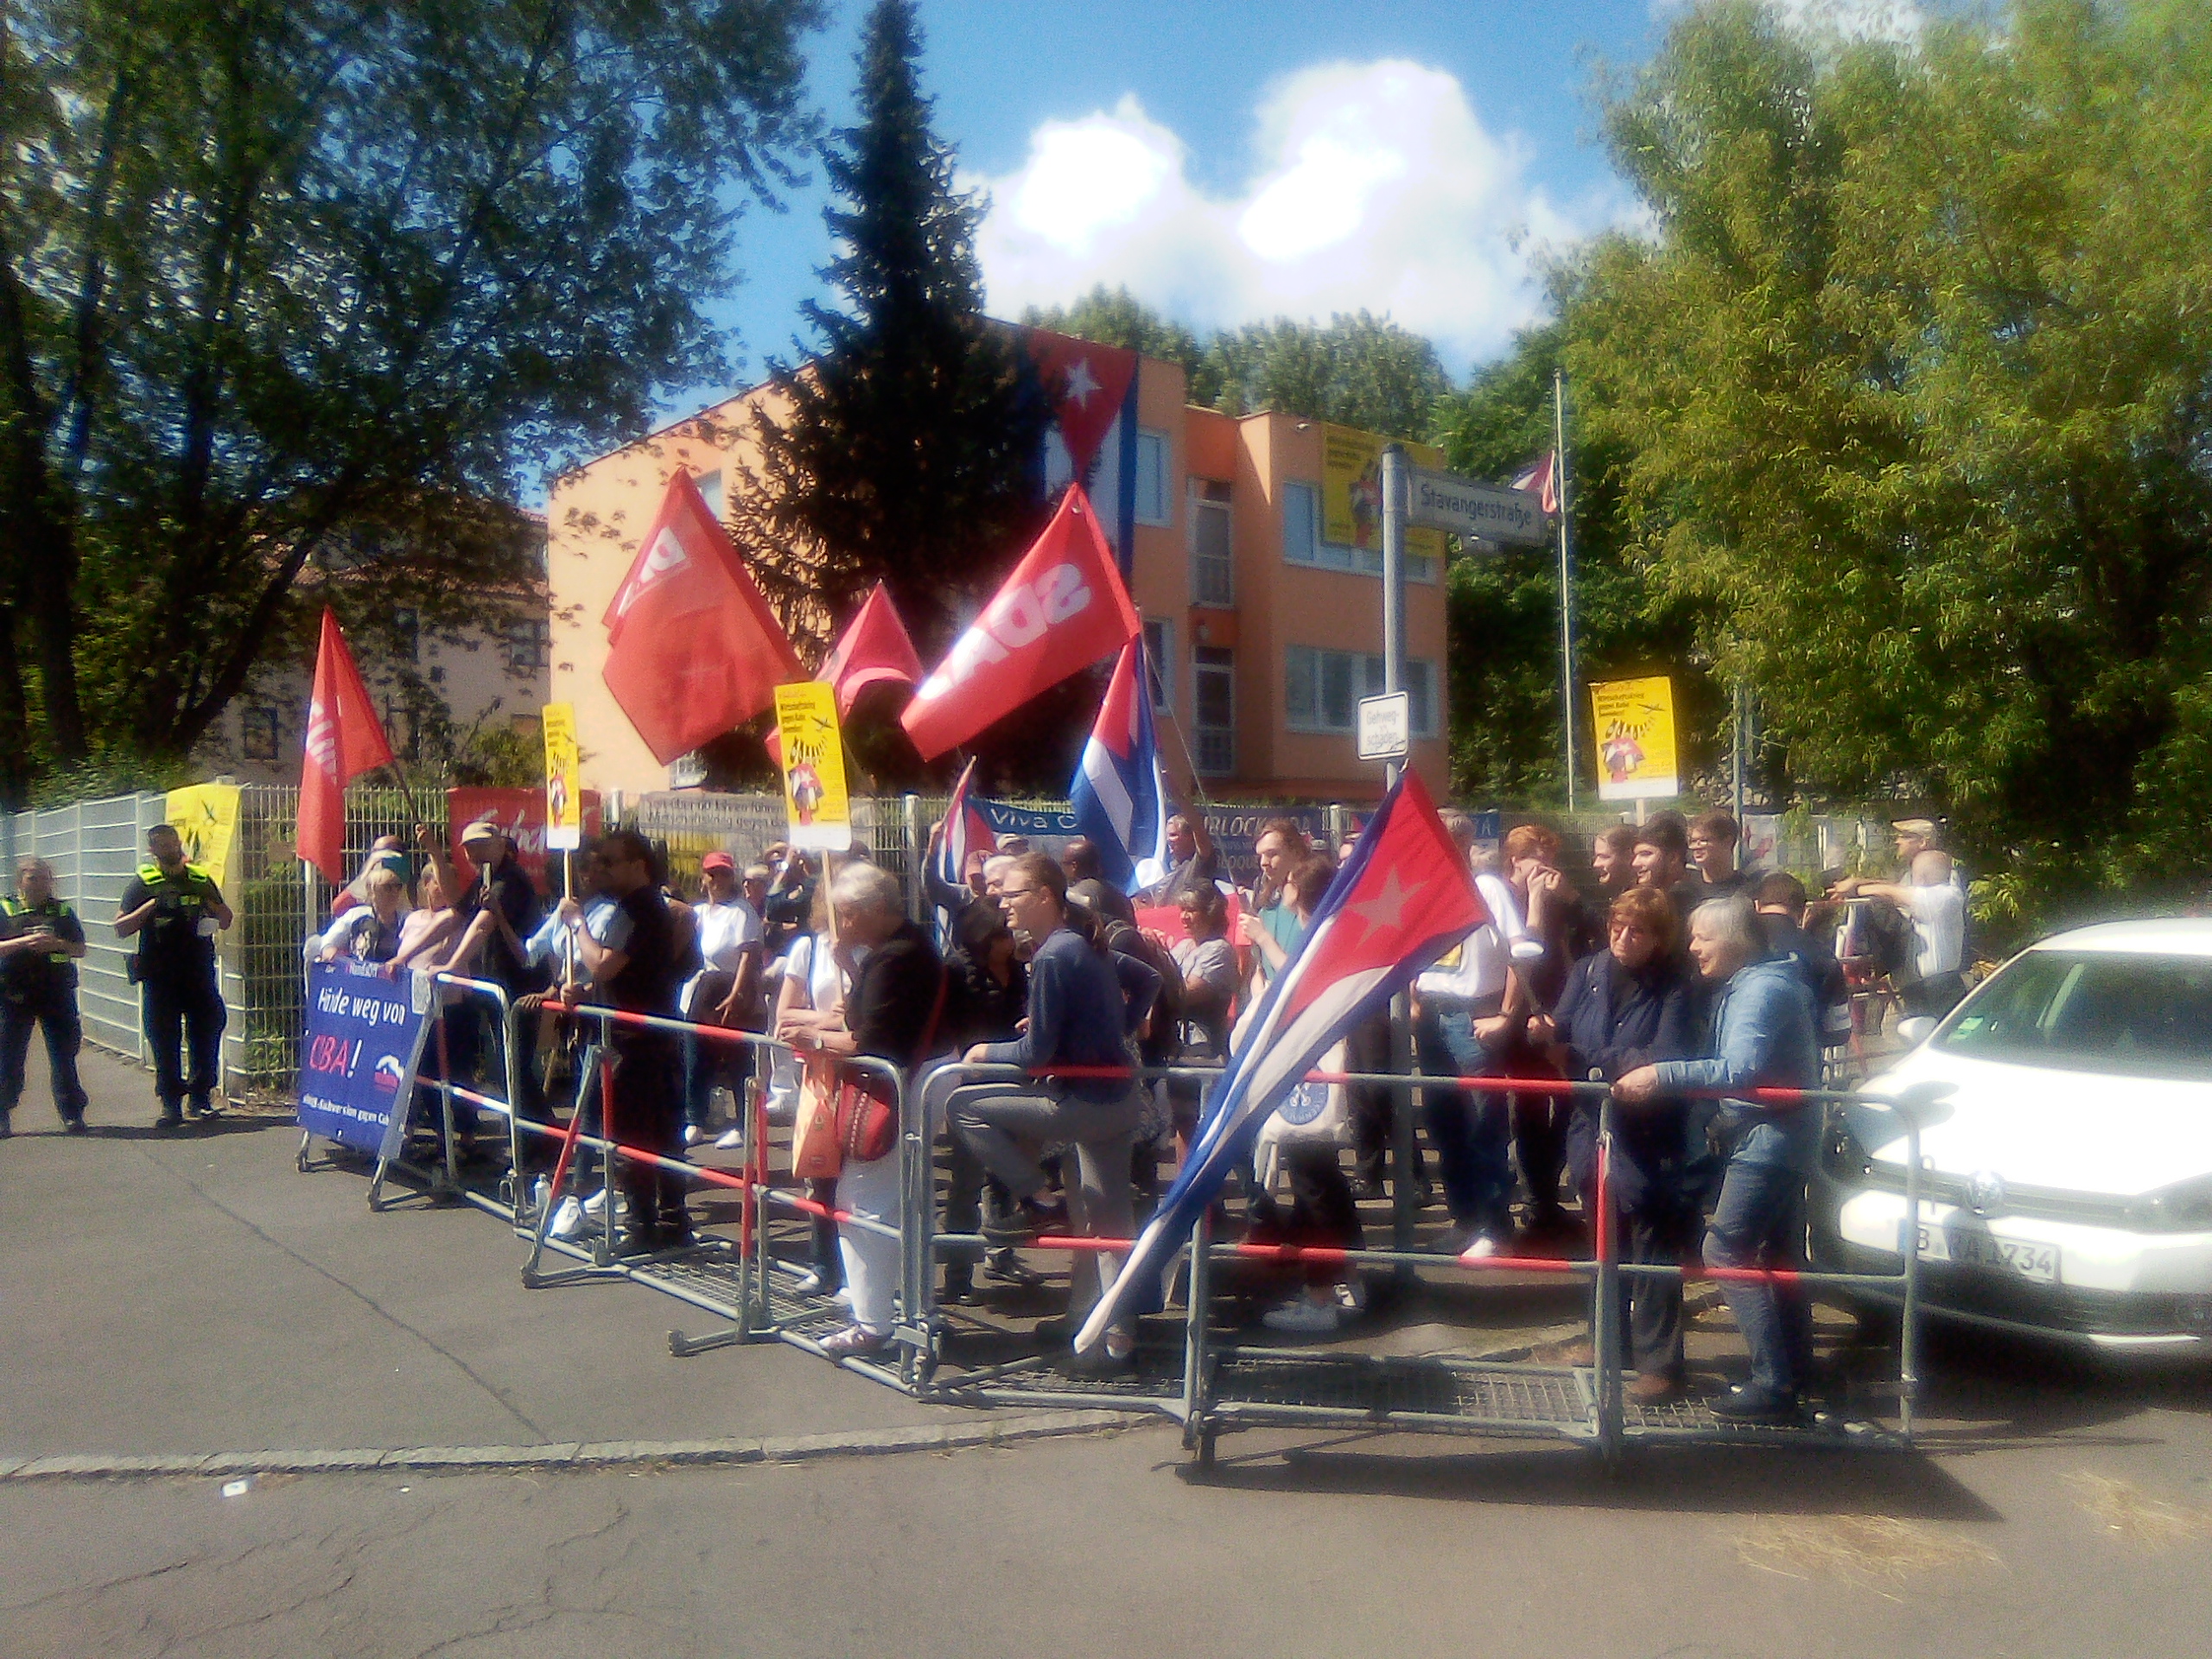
(260, 730)
(399, 727)
(1211, 571)
(1302, 543)
(1322, 689)
(1213, 707)
(1153, 505)
(530, 644)
(710, 492)
(1159, 663)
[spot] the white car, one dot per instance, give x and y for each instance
(2066, 1176)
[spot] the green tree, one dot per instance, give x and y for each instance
(275, 280)
(905, 448)
(1358, 370)
(1909, 392)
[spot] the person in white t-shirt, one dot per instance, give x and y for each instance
(726, 991)
(1937, 907)
(1461, 1029)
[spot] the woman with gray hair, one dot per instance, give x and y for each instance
(891, 1013)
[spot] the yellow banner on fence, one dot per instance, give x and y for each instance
(564, 792)
(814, 766)
(1351, 490)
(1634, 721)
(206, 819)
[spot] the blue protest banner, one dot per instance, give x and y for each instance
(358, 1054)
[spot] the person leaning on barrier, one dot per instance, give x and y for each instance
(1627, 1006)
(635, 968)
(1763, 1037)
(987, 998)
(369, 932)
(724, 991)
(1079, 1017)
(40, 943)
(175, 910)
(893, 1013)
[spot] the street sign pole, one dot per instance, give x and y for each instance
(1394, 583)
(1402, 1197)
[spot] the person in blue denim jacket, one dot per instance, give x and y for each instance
(1763, 1037)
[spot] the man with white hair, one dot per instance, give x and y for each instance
(1763, 1037)
(41, 941)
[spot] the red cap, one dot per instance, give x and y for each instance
(718, 862)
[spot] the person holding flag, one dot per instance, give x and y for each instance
(1404, 897)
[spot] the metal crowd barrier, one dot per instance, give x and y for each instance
(1213, 1385)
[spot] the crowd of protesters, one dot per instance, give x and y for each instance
(1669, 970)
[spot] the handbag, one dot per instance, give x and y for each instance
(1310, 1114)
(867, 1102)
(815, 1147)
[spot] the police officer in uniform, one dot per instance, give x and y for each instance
(175, 910)
(41, 939)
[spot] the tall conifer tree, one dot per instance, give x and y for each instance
(908, 447)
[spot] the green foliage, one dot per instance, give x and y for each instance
(1908, 402)
(906, 445)
(289, 284)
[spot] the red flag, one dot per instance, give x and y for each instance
(1062, 609)
(344, 740)
(1090, 381)
(873, 650)
(692, 649)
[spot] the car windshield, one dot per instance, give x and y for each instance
(2144, 1016)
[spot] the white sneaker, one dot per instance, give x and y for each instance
(810, 1284)
(568, 1220)
(1351, 1297)
(691, 1134)
(730, 1140)
(1480, 1248)
(1299, 1317)
(595, 1205)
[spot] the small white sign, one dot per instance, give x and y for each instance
(1386, 727)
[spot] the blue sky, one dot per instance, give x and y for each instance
(1229, 160)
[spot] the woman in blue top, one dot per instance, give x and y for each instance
(1079, 1017)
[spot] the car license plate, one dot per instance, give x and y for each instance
(2037, 1263)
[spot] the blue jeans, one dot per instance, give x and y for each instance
(1760, 1222)
(1473, 1133)
(707, 1063)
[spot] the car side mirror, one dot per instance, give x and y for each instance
(1916, 1030)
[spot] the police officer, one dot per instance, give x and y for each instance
(175, 910)
(41, 939)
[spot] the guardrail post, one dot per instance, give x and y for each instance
(1198, 1433)
(1405, 1206)
(1909, 1328)
(1605, 1325)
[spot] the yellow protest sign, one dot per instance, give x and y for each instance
(207, 819)
(565, 794)
(1351, 490)
(1634, 721)
(814, 766)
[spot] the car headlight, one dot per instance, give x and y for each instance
(2185, 1207)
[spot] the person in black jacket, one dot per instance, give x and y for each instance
(1625, 1006)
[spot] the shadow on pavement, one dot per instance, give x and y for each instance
(1691, 1479)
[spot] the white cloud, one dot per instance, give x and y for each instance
(1378, 187)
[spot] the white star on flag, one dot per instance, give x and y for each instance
(1081, 383)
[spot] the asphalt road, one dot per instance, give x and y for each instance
(195, 1296)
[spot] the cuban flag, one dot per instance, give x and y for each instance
(1119, 795)
(1402, 898)
(966, 832)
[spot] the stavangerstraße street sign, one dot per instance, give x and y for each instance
(1466, 507)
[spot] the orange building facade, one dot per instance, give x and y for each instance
(1263, 635)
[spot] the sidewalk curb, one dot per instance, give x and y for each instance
(574, 1454)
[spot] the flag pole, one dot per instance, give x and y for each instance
(1566, 581)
